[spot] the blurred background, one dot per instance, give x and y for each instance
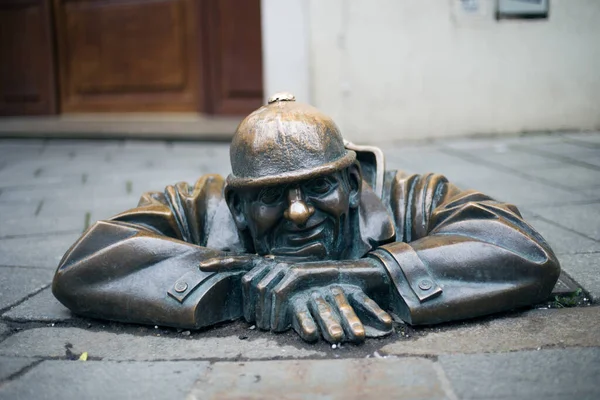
(385, 70)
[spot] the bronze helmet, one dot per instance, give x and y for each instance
(285, 141)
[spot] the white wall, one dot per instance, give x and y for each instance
(393, 69)
(285, 41)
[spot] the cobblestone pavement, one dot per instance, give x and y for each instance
(52, 190)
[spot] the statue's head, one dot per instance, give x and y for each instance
(293, 185)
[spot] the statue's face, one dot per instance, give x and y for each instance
(308, 219)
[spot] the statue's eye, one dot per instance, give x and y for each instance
(271, 195)
(319, 186)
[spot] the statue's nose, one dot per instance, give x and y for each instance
(298, 211)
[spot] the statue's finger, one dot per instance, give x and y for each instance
(280, 301)
(228, 263)
(303, 323)
(355, 331)
(249, 292)
(264, 297)
(328, 322)
(375, 316)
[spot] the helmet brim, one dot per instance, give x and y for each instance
(292, 176)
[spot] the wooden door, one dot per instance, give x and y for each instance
(26, 58)
(129, 55)
(234, 56)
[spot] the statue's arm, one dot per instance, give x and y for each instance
(137, 267)
(471, 256)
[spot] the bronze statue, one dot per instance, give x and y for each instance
(308, 232)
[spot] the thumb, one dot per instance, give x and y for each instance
(228, 263)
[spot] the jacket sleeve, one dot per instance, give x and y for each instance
(461, 254)
(142, 265)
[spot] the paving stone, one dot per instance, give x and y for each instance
(16, 283)
(504, 155)
(105, 380)
(585, 137)
(520, 191)
(585, 269)
(576, 153)
(583, 218)
(41, 307)
(471, 174)
(544, 374)
(38, 225)
(563, 241)
(421, 159)
(3, 329)
(574, 176)
(483, 142)
(529, 330)
(50, 342)
(407, 378)
(39, 251)
(593, 193)
(11, 365)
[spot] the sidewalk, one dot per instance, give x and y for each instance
(51, 190)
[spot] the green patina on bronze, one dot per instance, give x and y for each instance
(308, 232)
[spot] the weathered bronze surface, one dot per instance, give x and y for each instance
(308, 232)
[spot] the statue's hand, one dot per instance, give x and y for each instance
(230, 263)
(339, 313)
(278, 295)
(313, 297)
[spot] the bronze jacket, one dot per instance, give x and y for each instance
(450, 254)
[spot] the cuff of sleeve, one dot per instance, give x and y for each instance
(411, 279)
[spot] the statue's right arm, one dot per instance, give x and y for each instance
(142, 265)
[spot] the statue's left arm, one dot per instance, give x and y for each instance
(461, 254)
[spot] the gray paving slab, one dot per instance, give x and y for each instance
(408, 378)
(544, 374)
(575, 153)
(422, 159)
(502, 153)
(39, 251)
(519, 190)
(3, 329)
(585, 137)
(98, 208)
(50, 342)
(593, 193)
(469, 173)
(16, 283)
(573, 176)
(37, 225)
(585, 269)
(563, 241)
(42, 307)
(105, 380)
(529, 330)
(64, 193)
(483, 142)
(12, 365)
(583, 218)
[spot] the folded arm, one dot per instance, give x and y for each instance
(467, 255)
(143, 265)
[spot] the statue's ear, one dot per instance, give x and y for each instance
(355, 183)
(234, 202)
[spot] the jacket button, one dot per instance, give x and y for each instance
(181, 287)
(425, 284)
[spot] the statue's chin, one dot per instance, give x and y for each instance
(309, 251)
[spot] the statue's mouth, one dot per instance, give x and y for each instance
(304, 241)
(314, 250)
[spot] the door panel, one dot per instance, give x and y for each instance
(235, 56)
(26, 58)
(133, 55)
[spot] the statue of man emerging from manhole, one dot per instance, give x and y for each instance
(307, 232)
